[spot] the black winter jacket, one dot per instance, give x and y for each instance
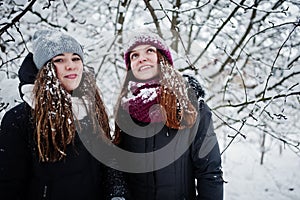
(201, 162)
(23, 177)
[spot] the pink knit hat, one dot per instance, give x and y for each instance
(142, 38)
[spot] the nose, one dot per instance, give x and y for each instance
(69, 65)
(142, 57)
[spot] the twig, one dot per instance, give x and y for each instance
(17, 18)
(258, 100)
(278, 53)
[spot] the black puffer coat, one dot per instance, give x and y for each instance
(201, 161)
(23, 177)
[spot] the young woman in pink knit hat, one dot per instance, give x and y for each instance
(162, 119)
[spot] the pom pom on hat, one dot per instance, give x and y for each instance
(49, 43)
(142, 38)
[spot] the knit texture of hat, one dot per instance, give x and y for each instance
(48, 44)
(142, 38)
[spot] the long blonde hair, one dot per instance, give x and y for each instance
(53, 116)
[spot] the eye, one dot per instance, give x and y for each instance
(76, 58)
(151, 50)
(134, 56)
(57, 60)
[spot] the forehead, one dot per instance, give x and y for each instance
(142, 47)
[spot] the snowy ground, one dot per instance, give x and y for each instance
(277, 179)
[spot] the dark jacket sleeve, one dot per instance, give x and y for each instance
(14, 156)
(206, 158)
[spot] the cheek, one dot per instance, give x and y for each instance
(155, 59)
(80, 76)
(133, 64)
(80, 70)
(58, 72)
(134, 72)
(156, 70)
(81, 67)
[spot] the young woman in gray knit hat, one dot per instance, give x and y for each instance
(166, 127)
(43, 151)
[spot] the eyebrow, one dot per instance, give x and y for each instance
(61, 54)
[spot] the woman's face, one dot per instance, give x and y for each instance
(69, 68)
(143, 60)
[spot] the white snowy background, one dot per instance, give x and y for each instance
(269, 49)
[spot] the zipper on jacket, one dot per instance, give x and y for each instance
(167, 132)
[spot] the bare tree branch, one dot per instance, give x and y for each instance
(258, 100)
(17, 18)
(154, 17)
(279, 82)
(218, 31)
(273, 65)
(230, 57)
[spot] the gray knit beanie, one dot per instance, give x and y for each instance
(145, 37)
(49, 43)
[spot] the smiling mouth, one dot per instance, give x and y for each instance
(145, 67)
(71, 76)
